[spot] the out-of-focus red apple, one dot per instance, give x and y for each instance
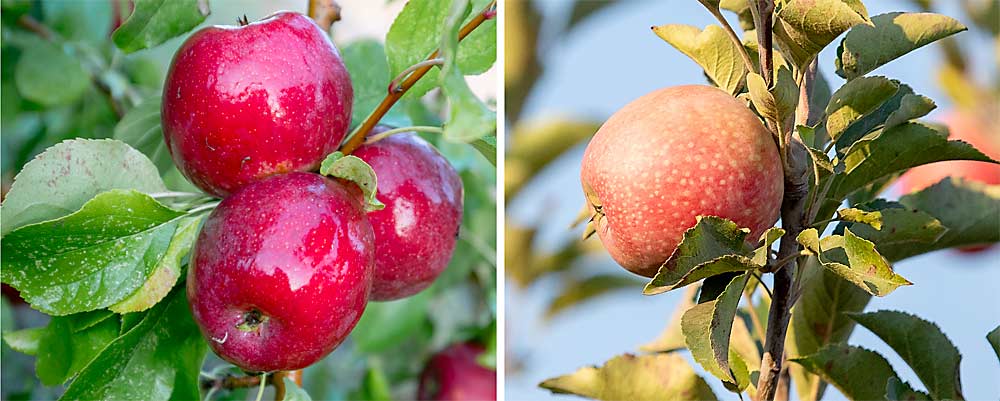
(967, 128)
(454, 375)
(975, 131)
(673, 155)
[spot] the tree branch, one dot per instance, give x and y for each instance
(232, 382)
(324, 12)
(357, 137)
(796, 174)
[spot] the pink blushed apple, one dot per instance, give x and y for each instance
(670, 156)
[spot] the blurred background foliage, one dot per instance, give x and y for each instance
(63, 77)
(552, 272)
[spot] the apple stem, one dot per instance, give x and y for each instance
(357, 137)
(394, 84)
(263, 382)
(418, 128)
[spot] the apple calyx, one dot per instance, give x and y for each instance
(596, 210)
(252, 321)
(352, 169)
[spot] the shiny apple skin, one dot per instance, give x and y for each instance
(244, 103)
(670, 156)
(298, 248)
(415, 234)
(454, 375)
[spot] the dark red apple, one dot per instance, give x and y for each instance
(243, 103)
(281, 272)
(415, 233)
(673, 155)
(454, 375)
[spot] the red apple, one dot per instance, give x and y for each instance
(969, 129)
(243, 103)
(670, 156)
(454, 375)
(281, 272)
(415, 233)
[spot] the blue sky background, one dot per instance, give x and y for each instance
(612, 58)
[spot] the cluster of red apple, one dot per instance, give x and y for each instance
(285, 265)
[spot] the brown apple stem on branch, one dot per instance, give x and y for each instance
(357, 137)
(324, 12)
(231, 382)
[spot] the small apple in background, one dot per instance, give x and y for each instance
(281, 272)
(454, 375)
(977, 132)
(416, 232)
(243, 103)
(968, 128)
(670, 156)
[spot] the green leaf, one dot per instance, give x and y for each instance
(355, 170)
(140, 129)
(969, 210)
(487, 146)
(777, 102)
(293, 392)
(898, 390)
(857, 372)
(923, 346)
(386, 324)
(92, 258)
(68, 344)
(712, 49)
(365, 61)
(707, 328)
(904, 230)
(417, 31)
(47, 75)
(855, 100)
(24, 341)
(672, 338)
(158, 359)
(166, 271)
(818, 319)
(867, 47)
(468, 117)
(761, 254)
(893, 107)
(574, 293)
(993, 337)
(156, 21)
(638, 378)
(65, 176)
(711, 238)
(904, 146)
(803, 28)
(872, 218)
(911, 107)
(858, 263)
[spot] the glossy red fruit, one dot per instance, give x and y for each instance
(673, 155)
(243, 103)
(416, 232)
(281, 272)
(454, 375)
